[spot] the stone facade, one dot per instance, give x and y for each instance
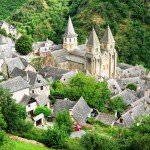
(99, 58)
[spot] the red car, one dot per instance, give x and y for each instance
(77, 127)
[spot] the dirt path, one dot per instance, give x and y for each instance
(17, 138)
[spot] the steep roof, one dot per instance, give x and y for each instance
(15, 84)
(70, 30)
(61, 105)
(42, 99)
(108, 37)
(93, 39)
(18, 72)
(80, 111)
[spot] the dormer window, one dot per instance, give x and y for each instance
(39, 81)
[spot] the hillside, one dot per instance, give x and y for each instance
(129, 21)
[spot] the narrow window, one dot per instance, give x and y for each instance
(41, 88)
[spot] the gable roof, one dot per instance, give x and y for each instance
(93, 39)
(81, 111)
(108, 37)
(18, 72)
(42, 99)
(61, 105)
(14, 62)
(15, 84)
(26, 99)
(127, 96)
(53, 72)
(70, 30)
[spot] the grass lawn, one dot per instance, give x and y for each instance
(17, 145)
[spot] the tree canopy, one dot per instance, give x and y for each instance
(23, 45)
(42, 109)
(94, 92)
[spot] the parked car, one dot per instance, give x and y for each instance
(77, 127)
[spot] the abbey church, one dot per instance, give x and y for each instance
(98, 57)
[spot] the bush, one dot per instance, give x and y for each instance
(95, 141)
(52, 99)
(117, 104)
(24, 45)
(40, 109)
(2, 136)
(55, 137)
(132, 86)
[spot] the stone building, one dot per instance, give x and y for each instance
(99, 58)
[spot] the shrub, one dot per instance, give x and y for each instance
(132, 86)
(52, 99)
(40, 109)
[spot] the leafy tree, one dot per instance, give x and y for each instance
(64, 118)
(24, 45)
(55, 137)
(36, 62)
(117, 104)
(132, 86)
(95, 93)
(95, 141)
(44, 110)
(2, 122)
(13, 114)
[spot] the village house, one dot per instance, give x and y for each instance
(79, 111)
(17, 86)
(31, 102)
(11, 63)
(98, 57)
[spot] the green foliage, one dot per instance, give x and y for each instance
(42, 109)
(3, 32)
(36, 62)
(140, 142)
(13, 113)
(63, 118)
(94, 121)
(2, 122)
(24, 45)
(55, 137)
(52, 99)
(117, 104)
(143, 126)
(94, 141)
(2, 137)
(95, 93)
(132, 86)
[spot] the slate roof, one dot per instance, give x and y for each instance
(2, 39)
(54, 72)
(127, 96)
(106, 118)
(26, 100)
(42, 99)
(70, 30)
(59, 53)
(113, 86)
(93, 39)
(18, 72)
(14, 62)
(61, 105)
(108, 37)
(137, 111)
(15, 84)
(36, 80)
(124, 66)
(76, 59)
(81, 111)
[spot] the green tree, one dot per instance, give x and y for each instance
(13, 114)
(3, 32)
(117, 104)
(24, 45)
(95, 141)
(36, 62)
(132, 86)
(44, 110)
(63, 118)
(94, 92)
(55, 137)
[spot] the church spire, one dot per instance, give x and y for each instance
(108, 37)
(93, 39)
(70, 32)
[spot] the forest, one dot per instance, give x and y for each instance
(128, 19)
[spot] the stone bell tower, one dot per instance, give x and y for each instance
(70, 37)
